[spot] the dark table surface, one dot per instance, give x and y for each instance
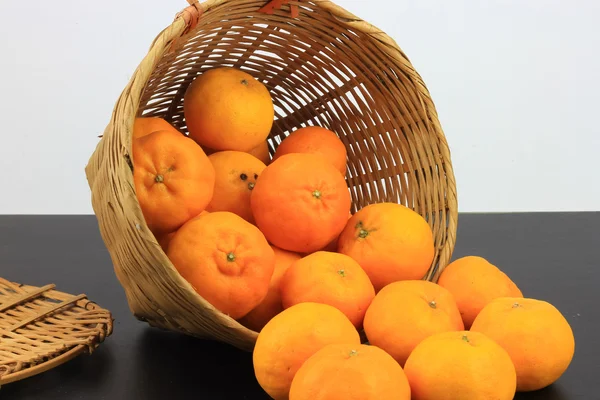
(554, 257)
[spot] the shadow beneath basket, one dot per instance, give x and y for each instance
(175, 366)
(82, 374)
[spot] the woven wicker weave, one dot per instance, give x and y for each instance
(41, 328)
(323, 67)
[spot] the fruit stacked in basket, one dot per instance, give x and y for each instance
(273, 244)
(275, 177)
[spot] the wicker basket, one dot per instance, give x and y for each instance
(323, 66)
(42, 328)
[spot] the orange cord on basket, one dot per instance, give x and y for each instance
(273, 5)
(191, 15)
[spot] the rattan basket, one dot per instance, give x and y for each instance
(323, 66)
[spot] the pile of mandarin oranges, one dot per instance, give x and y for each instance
(338, 299)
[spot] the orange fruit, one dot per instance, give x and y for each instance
(535, 334)
(301, 203)
(329, 278)
(173, 178)
(164, 239)
(236, 173)
(460, 365)
(315, 140)
(262, 152)
(271, 305)
(474, 282)
(390, 242)
(227, 109)
(345, 371)
(226, 259)
(291, 337)
(143, 126)
(404, 313)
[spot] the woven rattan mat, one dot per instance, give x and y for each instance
(41, 328)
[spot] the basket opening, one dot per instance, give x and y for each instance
(321, 71)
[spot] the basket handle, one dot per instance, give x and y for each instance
(273, 5)
(191, 14)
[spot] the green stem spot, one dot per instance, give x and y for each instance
(244, 82)
(342, 273)
(159, 179)
(433, 304)
(363, 233)
(251, 185)
(516, 305)
(231, 257)
(317, 194)
(466, 339)
(353, 353)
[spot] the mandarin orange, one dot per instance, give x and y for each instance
(404, 313)
(315, 140)
(143, 126)
(226, 259)
(474, 282)
(350, 372)
(236, 174)
(300, 202)
(390, 242)
(291, 338)
(173, 178)
(460, 366)
(329, 278)
(535, 334)
(227, 109)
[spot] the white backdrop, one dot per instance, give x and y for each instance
(516, 84)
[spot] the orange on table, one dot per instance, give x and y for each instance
(271, 305)
(345, 371)
(315, 140)
(535, 334)
(226, 259)
(173, 178)
(143, 126)
(301, 203)
(329, 278)
(291, 338)
(460, 365)
(236, 174)
(474, 282)
(404, 313)
(390, 242)
(227, 109)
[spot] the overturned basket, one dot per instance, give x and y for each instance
(323, 66)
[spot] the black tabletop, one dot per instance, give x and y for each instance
(553, 257)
